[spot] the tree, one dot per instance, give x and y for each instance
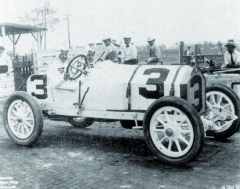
(41, 17)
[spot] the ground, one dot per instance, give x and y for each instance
(105, 155)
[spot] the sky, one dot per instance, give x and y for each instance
(168, 21)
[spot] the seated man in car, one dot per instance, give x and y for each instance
(231, 56)
(111, 52)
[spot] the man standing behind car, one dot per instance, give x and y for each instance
(129, 52)
(155, 53)
(5, 61)
(231, 56)
(111, 52)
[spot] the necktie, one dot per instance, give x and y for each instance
(232, 61)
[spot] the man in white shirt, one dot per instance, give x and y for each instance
(111, 52)
(5, 60)
(231, 56)
(129, 52)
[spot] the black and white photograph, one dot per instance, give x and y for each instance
(119, 94)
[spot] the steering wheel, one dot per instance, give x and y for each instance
(76, 67)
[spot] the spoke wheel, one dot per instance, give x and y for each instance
(76, 67)
(22, 117)
(222, 97)
(173, 130)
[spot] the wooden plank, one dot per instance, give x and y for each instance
(181, 52)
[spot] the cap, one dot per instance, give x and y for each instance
(106, 38)
(150, 39)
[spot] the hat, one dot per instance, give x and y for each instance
(230, 43)
(126, 37)
(106, 38)
(188, 46)
(2, 47)
(150, 39)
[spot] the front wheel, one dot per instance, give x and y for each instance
(173, 130)
(22, 118)
(223, 98)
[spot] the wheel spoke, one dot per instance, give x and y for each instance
(183, 139)
(29, 119)
(213, 99)
(178, 145)
(26, 128)
(28, 124)
(15, 124)
(14, 112)
(226, 105)
(167, 116)
(161, 121)
(19, 127)
(158, 130)
(169, 144)
(220, 99)
(162, 139)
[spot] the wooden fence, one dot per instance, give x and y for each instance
(22, 69)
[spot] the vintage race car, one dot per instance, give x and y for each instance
(168, 102)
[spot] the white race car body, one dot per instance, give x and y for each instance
(116, 90)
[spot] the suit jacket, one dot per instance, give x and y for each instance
(155, 54)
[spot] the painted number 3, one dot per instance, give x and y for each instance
(43, 86)
(158, 82)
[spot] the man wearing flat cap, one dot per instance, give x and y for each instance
(129, 52)
(231, 56)
(155, 56)
(111, 52)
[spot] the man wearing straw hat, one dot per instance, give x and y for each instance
(129, 52)
(155, 52)
(231, 56)
(111, 52)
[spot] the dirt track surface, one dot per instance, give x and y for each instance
(105, 155)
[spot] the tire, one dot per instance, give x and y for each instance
(228, 97)
(129, 124)
(22, 118)
(179, 142)
(71, 63)
(79, 122)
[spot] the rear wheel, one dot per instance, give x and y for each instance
(222, 97)
(23, 120)
(80, 122)
(173, 130)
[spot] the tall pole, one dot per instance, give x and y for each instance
(69, 43)
(45, 24)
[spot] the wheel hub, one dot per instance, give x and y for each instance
(169, 132)
(19, 119)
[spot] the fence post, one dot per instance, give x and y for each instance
(181, 51)
(196, 52)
